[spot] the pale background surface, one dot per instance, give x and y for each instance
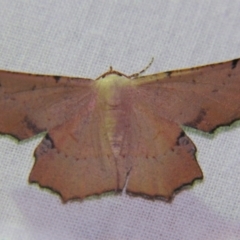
(83, 38)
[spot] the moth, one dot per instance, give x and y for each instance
(118, 131)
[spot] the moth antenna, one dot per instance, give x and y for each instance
(142, 71)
